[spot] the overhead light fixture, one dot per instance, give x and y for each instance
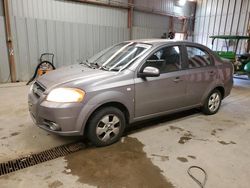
(182, 2)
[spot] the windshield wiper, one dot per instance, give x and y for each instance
(95, 64)
(103, 68)
(86, 62)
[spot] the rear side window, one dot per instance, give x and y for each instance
(198, 58)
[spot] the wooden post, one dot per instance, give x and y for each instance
(130, 18)
(184, 28)
(9, 41)
(171, 24)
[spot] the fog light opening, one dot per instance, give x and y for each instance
(52, 125)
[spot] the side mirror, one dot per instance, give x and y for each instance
(149, 72)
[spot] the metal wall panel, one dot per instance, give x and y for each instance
(221, 17)
(1, 8)
(169, 6)
(4, 64)
(144, 32)
(68, 41)
(151, 21)
(147, 25)
(69, 12)
(67, 29)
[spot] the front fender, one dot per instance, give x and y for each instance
(103, 98)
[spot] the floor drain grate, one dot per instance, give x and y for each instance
(37, 158)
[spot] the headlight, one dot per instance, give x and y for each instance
(66, 95)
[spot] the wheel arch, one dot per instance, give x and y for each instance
(115, 104)
(221, 89)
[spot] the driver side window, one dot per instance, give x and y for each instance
(167, 59)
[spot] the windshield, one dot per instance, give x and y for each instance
(120, 56)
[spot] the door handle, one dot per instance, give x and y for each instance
(177, 79)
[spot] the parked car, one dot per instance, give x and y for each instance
(128, 82)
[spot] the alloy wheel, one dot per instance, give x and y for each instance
(214, 102)
(108, 127)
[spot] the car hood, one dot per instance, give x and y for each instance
(76, 74)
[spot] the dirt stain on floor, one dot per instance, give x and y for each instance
(162, 157)
(176, 128)
(215, 131)
(21, 125)
(47, 177)
(191, 156)
(185, 138)
(55, 184)
(226, 143)
(182, 159)
(14, 134)
(228, 121)
(123, 164)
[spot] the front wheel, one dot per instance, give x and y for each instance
(106, 126)
(212, 103)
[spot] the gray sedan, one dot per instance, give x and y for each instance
(129, 82)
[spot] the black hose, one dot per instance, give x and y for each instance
(38, 66)
(201, 184)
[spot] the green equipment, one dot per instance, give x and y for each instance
(241, 62)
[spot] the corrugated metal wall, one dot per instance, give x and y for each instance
(74, 30)
(221, 17)
(149, 26)
(169, 6)
(66, 11)
(67, 29)
(68, 41)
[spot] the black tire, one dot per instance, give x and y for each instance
(96, 123)
(207, 107)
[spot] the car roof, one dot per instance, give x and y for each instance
(158, 42)
(152, 41)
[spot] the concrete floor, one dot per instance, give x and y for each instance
(155, 153)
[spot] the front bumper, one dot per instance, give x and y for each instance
(65, 115)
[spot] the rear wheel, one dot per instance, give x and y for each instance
(106, 126)
(212, 103)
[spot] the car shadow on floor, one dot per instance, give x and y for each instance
(147, 124)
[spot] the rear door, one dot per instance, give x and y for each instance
(166, 92)
(201, 73)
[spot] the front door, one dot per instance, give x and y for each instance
(166, 92)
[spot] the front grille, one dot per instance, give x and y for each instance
(38, 89)
(33, 159)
